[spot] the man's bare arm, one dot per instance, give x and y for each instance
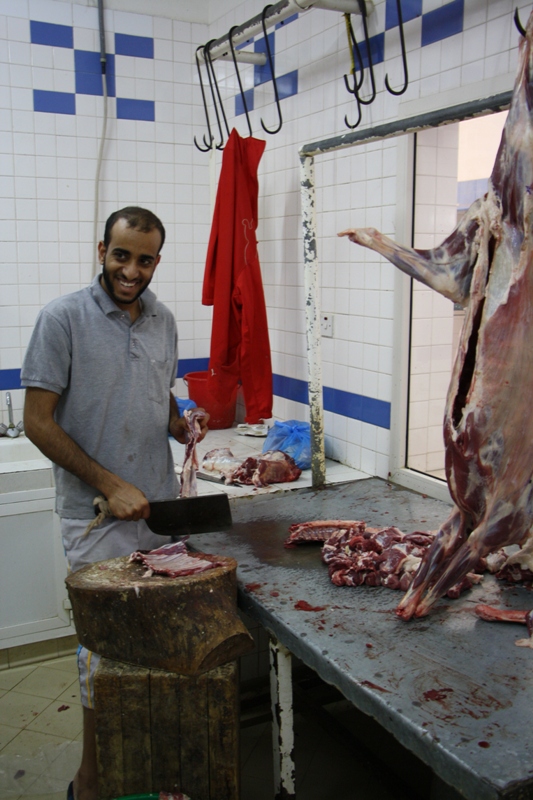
(125, 500)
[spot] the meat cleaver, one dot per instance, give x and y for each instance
(189, 515)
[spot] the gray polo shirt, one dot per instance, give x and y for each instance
(113, 378)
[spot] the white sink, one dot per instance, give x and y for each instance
(19, 449)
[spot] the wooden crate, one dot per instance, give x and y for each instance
(160, 731)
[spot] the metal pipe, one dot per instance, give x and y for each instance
(312, 310)
(430, 119)
(246, 57)
(277, 13)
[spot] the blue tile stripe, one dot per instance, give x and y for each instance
(138, 46)
(442, 22)
(51, 34)
(9, 379)
(347, 404)
(357, 406)
(135, 109)
(54, 102)
(88, 72)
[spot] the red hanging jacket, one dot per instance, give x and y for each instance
(240, 347)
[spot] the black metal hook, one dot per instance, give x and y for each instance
(230, 36)
(404, 56)
(209, 64)
(354, 47)
(212, 84)
(271, 64)
(359, 113)
(368, 101)
(211, 137)
(518, 24)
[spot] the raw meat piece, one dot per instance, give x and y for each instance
(320, 530)
(173, 560)
(274, 466)
(486, 266)
(491, 614)
(190, 462)
(270, 467)
(173, 796)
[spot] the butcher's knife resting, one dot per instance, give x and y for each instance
(485, 265)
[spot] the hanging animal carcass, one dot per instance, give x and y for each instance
(486, 265)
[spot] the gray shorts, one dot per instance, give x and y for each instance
(111, 539)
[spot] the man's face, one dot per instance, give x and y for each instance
(129, 262)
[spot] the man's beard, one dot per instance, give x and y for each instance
(109, 285)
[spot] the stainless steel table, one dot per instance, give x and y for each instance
(453, 689)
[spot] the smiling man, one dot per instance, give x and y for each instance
(98, 372)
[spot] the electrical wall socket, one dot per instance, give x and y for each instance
(326, 324)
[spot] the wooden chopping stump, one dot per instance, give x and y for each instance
(159, 731)
(187, 625)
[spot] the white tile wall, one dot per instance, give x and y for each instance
(48, 164)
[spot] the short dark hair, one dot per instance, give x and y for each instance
(139, 218)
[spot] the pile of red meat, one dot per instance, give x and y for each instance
(357, 555)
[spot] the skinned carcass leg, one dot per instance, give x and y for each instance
(450, 536)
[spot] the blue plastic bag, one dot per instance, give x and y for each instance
(292, 437)
(183, 405)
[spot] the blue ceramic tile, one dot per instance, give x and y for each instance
(239, 105)
(89, 73)
(262, 74)
(186, 365)
(377, 49)
(290, 388)
(53, 35)
(9, 379)
(54, 102)
(135, 109)
(410, 10)
(355, 406)
(287, 84)
(442, 22)
(140, 46)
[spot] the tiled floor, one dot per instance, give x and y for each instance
(40, 744)
(40, 729)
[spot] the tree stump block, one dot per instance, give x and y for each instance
(187, 624)
(161, 731)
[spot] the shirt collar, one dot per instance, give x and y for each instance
(149, 300)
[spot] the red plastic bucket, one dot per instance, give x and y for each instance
(220, 415)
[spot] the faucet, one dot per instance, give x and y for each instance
(11, 430)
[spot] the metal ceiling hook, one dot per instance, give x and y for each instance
(368, 101)
(359, 112)
(212, 84)
(404, 56)
(353, 48)
(230, 36)
(518, 24)
(211, 137)
(271, 64)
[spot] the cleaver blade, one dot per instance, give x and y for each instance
(190, 515)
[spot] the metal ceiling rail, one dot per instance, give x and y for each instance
(278, 12)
